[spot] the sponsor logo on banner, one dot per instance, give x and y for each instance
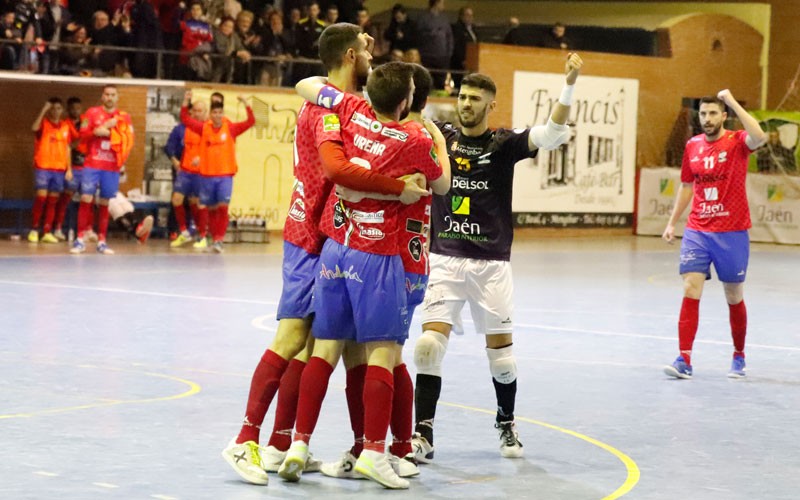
(298, 210)
(666, 187)
(774, 192)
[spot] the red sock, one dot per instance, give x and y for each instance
(84, 217)
(195, 213)
(378, 395)
(687, 327)
(315, 384)
(202, 222)
(61, 210)
(222, 223)
(180, 216)
(286, 410)
(263, 387)
(50, 213)
(402, 410)
(38, 207)
(738, 318)
(354, 391)
(102, 222)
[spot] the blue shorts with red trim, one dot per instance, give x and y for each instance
(728, 251)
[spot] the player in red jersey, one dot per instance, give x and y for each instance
(73, 185)
(108, 134)
(344, 51)
(51, 161)
(360, 265)
(713, 180)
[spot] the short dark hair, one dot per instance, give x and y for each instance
(423, 83)
(710, 99)
(217, 94)
(55, 100)
(388, 85)
(480, 81)
(109, 86)
(334, 42)
(216, 105)
(73, 100)
(398, 7)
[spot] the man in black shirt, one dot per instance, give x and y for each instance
(471, 234)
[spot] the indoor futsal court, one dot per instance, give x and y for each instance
(125, 377)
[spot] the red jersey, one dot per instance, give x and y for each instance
(315, 125)
(100, 152)
(717, 170)
(415, 223)
(373, 226)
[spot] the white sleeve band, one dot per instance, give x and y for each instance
(549, 136)
(566, 95)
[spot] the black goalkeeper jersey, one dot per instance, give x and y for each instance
(473, 220)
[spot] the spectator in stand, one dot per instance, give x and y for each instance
(463, 34)
(401, 33)
(363, 21)
(247, 72)
(228, 48)
(774, 157)
(277, 42)
(44, 29)
(308, 32)
(556, 38)
(512, 36)
(83, 10)
(10, 52)
(76, 60)
(436, 52)
(412, 56)
(197, 36)
(331, 15)
(25, 12)
(146, 35)
(170, 13)
(103, 32)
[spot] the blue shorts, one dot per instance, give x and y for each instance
(299, 270)
(359, 296)
(77, 177)
(49, 180)
(106, 180)
(187, 184)
(215, 190)
(729, 252)
(416, 284)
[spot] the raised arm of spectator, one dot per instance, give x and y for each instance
(755, 136)
(195, 126)
(556, 132)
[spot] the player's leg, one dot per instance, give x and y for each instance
(205, 199)
(695, 266)
(402, 420)
(731, 255)
(109, 185)
(70, 188)
(41, 181)
(89, 183)
(54, 189)
(219, 225)
(181, 187)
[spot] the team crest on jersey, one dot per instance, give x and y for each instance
(370, 233)
(338, 216)
(415, 248)
(298, 210)
(330, 123)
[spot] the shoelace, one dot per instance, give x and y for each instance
(254, 453)
(507, 435)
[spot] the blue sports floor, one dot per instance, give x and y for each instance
(123, 377)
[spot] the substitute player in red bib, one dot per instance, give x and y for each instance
(713, 181)
(108, 133)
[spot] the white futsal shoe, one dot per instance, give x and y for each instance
(510, 446)
(375, 465)
(246, 461)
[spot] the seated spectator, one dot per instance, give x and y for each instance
(556, 38)
(512, 36)
(103, 32)
(194, 62)
(774, 158)
(277, 43)
(10, 52)
(76, 60)
(246, 72)
(401, 33)
(463, 34)
(228, 48)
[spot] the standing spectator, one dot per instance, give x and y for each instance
(217, 163)
(774, 158)
(44, 30)
(51, 162)
(401, 33)
(436, 52)
(308, 32)
(105, 33)
(277, 42)
(170, 13)
(229, 49)
(10, 54)
(108, 133)
(713, 177)
(556, 38)
(194, 61)
(246, 72)
(146, 35)
(76, 60)
(463, 33)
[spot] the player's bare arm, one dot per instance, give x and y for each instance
(755, 136)
(556, 132)
(682, 200)
(441, 185)
(37, 124)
